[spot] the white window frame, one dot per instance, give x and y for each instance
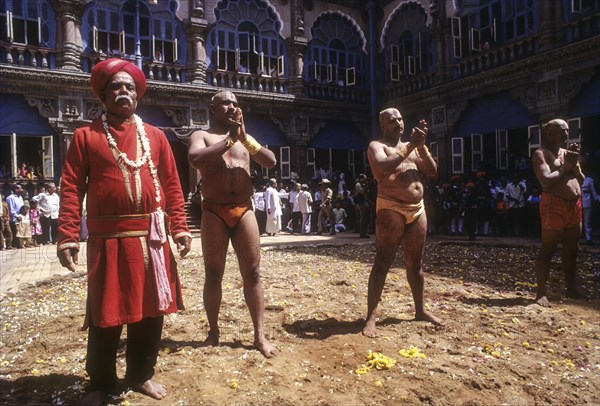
(458, 154)
(48, 157)
(574, 131)
(280, 66)
(412, 65)
(122, 42)
(433, 149)
(95, 38)
(9, 26)
(284, 164)
(531, 133)
(310, 162)
(457, 36)
(350, 76)
(476, 154)
(501, 151)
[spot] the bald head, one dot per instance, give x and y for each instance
(385, 115)
(223, 97)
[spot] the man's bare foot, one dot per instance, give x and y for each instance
(369, 330)
(543, 301)
(150, 388)
(265, 347)
(212, 339)
(426, 316)
(94, 398)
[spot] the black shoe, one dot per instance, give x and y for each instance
(318, 233)
(332, 233)
(364, 236)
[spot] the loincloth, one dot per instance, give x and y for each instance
(229, 213)
(559, 214)
(410, 211)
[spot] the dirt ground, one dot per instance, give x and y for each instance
(496, 347)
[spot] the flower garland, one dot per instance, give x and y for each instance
(145, 158)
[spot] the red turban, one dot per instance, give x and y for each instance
(104, 71)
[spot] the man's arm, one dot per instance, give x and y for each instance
(199, 153)
(544, 174)
(387, 164)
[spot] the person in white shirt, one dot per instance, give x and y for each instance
(273, 208)
(339, 214)
(296, 213)
(49, 203)
(305, 202)
(258, 203)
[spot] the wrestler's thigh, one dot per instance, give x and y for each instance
(388, 234)
(215, 241)
(413, 241)
(246, 242)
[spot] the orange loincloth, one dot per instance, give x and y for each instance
(229, 213)
(558, 214)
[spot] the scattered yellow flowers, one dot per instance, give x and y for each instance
(375, 360)
(412, 352)
(568, 363)
(233, 384)
(379, 361)
(525, 344)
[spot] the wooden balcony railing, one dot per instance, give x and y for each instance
(247, 81)
(26, 55)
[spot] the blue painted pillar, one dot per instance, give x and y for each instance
(371, 5)
(136, 33)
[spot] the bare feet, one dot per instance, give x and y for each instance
(150, 388)
(212, 340)
(542, 301)
(94, 398)
(265, 347)
(426, 316)
(370, 330)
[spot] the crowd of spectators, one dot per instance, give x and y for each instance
(29, 216)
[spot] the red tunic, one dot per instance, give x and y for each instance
(121, 285)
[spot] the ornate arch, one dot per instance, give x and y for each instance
(413, 9)
(327, 27)
(260, 12)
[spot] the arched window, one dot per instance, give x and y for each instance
(246, 39)
(113, 30)
(407, 43)
(28, 22)
(336, 53)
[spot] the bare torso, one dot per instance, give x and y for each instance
(225, 178)
(569, 189)
(404, 183)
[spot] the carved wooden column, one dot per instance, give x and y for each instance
(197, 31)
(70, 13)
(440, 27)
(297, 47)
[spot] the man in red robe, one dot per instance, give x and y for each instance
(134, 199)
